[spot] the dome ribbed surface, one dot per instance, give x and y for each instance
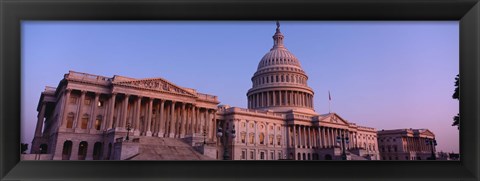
(279, 56)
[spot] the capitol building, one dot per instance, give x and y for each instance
(93, 117)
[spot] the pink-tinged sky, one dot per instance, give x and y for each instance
(385, 75)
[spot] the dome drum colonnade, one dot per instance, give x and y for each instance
(279, 82)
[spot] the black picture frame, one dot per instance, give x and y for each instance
(13, 12)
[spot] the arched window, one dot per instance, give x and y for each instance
(299, 156)
(271, 78)
(262, 138)
(283, 78)
(98, 122)
(67, 150)
(85, 121)
(270, 139)
(97, 151)
(251, 138)
(309, 157)
(82, 150)
(288, 78)
(277, 79)
(304, 156)
(70, 117)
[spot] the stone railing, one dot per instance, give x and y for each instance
(50, 89)
(84, 77)
(366, 128)
(267, 113)
(207, 97)
(301, 116)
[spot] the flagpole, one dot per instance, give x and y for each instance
(329, 102)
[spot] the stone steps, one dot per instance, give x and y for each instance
(154, 148)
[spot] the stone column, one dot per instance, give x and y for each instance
(332, 139)
(40, 117)
(65, 107)
(123, 122)
(305, 135)
(172, 121)
(268, 98)
(275, 135)
(255, 138)
(325, 137)
(193, 121)
(112, 109)
(93, 116)
(319, 138)
(299, 137)
(161, 120)
(294, 136)
(274, 98)
(190, 120)
(79, 109)
(214, 128)
(184, 121)
(288, 134)
(148, 121)
(247, 133)
(138, 108)
(294, 97)
(208, 123)
(197, 122)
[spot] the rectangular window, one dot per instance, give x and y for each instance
(84, 123)
(87, 101)
(242, 136)
(262, 155)
(69, 121)
(73, 100)
(272, 156)
(251, 155)
(279, 155)
(244, 155)
(98, 123)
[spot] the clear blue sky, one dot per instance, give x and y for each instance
(386, 75)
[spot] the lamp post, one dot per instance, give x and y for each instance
(228, 134)
(343, 139)
(432, 143)
(128, 130)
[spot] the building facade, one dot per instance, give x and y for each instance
(90, 116)
(406, 144)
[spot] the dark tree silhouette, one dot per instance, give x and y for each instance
(456, 119)
(24, 147)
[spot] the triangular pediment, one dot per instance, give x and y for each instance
(333, 118)
(155, 84)
(427, 132)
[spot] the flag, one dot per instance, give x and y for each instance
(329, 97)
